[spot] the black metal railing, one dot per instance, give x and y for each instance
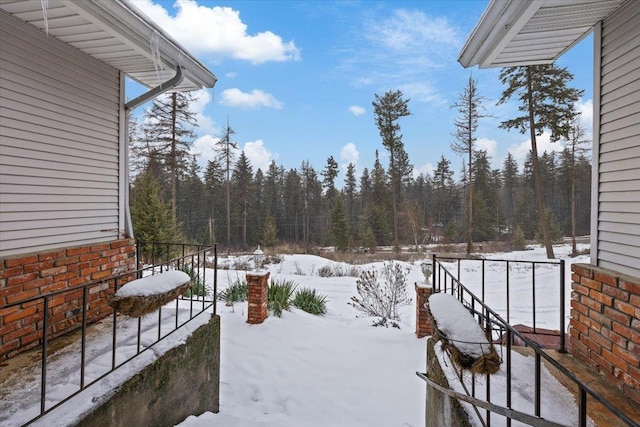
(200, 298)
(498, 330)
(528, 275)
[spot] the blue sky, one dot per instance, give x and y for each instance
(296, 78)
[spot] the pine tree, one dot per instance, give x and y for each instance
(269, 234)
(510, 180)
(242, 180)
(339, 226)
(168, 132)
(151, 214)
(470, 110)
(192, 206)
(226, 151)
(329, 175)
(350, 194)
(388, 109)
(213, 181)
(546, 102)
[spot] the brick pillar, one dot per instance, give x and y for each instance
(423, 322)
(257, 286)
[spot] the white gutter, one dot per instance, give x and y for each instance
(500, 22)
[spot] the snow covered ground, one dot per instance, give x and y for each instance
(305, 371)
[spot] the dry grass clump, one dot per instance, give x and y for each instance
(136, 306)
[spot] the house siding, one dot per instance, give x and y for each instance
(59, 144)
(618, 185)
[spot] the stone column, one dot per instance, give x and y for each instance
(423, 321)
(257, 286)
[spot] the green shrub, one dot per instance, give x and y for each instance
(280, 296)
(310, 301)
(197, 287)
(236, 292)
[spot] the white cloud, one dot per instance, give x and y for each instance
(586, 115)
(489, 145)
(255, 99)
(258, 155)
(206, 124)
(521, 150)
(349, 154)
(218, 32)
(426, 169)
(356, 110)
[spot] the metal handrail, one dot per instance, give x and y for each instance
(195, 261)
(489, 318)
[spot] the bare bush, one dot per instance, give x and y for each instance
(382, 298)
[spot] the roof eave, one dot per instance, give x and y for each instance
(137, 30)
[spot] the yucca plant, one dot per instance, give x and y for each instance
(280, 296)
(310, 301)
(235, 292)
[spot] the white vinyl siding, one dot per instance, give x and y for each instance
(59, 143)
(618, 214)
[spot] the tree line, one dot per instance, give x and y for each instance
(237, 206)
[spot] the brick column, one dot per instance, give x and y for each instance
(423, 322)
(257, 286)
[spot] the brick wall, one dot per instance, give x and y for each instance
(423, 321)
(605, 325)
(27, 276)
(257, 297)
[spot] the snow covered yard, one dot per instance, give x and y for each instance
(304, 370)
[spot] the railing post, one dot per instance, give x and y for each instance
(563, 348)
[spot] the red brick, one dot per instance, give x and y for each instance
(53, 255)
(634, 372)
(65, 276)
(611, 358)
(625, 307)
(626, 332)
(617, 293)
(579, 307)
(56, 286)
(11, 272)
(38, 283)
(632, 359)
(100, 247)
(614, 337)
(120, 243)
(618, 316)
(582, 270)
(600, 297)
(594, 346)
(99, 262)
(20, 314)
(632, 287)
(78, 281)
(78, 251)
(18, 333)
(591, 284)
(100, 275)
(606, 278)
(21, 261)
(592, 304)
(89, 271)
(22, 296)
(18, 280)
(580, 289)
(604, 365)
(601, 340)
(38, 266)
(580, 327)
(89, 256)
(8, 347)
(54, 271)
(67, 260)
